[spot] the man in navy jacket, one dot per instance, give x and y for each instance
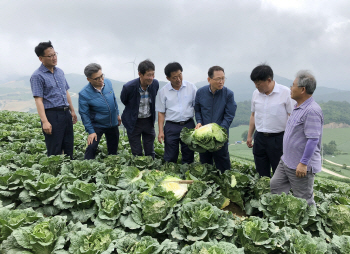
(139, 96)
(99, 112)
(215, 104)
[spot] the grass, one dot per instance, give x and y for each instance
(340, 159)
(341, 136)
(240, 151)
(337, 169)
(236, 133)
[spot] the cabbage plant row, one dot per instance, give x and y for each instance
(125, 204)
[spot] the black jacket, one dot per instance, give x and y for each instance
(130, 97)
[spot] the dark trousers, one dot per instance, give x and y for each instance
(112, 138)
(144, 127)
(267, 153)
(172, 141)
(62, 137)
(220, 157)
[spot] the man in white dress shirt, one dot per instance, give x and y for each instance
(271, 106)
(174, 104)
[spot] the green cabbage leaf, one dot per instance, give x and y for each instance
(210, 137)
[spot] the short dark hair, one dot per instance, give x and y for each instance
(214, 68)
(145, 66)
(261, 72)
(171, 67)
(42, 46)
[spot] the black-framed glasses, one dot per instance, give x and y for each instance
(99, 78)
(52, 56)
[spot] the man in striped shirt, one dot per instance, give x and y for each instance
(301, 158)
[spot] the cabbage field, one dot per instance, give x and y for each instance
(123, 204)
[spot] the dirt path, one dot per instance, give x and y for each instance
(335, 163)
(333, 173)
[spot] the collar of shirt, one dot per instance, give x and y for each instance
(276, 89)
(304, 104)
(43, 68)
(141, 90)
(98, 89)
(170, 87)
(214, 92)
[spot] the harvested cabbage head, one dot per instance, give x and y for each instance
(210, 137)
(179, 190)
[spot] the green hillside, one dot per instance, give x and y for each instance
(340, 135)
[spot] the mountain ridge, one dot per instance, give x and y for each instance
(239, 82)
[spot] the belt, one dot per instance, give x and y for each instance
(57, 109)
(266, 134)
(180, 123)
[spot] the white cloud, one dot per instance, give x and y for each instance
(238, 35)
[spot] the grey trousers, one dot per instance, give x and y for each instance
(285, 179)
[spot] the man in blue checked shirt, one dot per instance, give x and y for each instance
(99, 112)
(138, 117)
(53, 102)
(174, 104)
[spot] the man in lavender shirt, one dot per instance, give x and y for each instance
(301, 158)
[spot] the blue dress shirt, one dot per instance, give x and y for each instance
(52, 87)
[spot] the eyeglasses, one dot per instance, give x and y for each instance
(52, 56)
(295, 86)
(99, 78)
(219, 79)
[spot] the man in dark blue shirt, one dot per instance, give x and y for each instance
(99, 112)
(53, 102)
(215, 104)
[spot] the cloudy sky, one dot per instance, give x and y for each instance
(238, 35)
